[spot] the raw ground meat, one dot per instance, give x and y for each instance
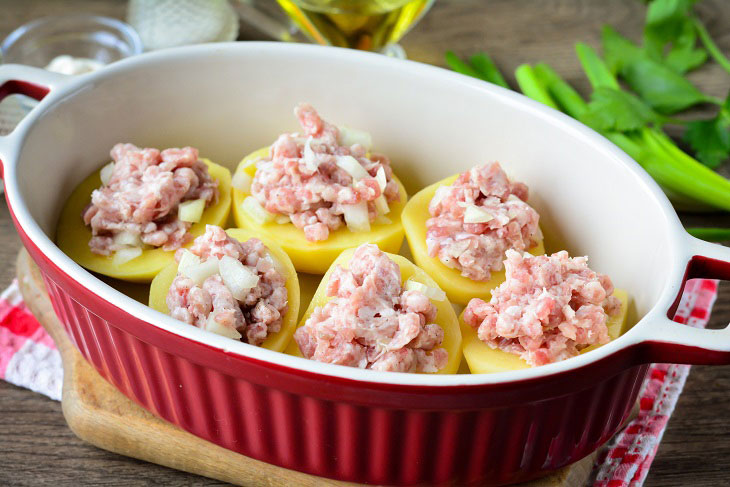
(548, 309)
(142, 196)
(371, 322)
(314, 195)
(477, 249)
(259, 315)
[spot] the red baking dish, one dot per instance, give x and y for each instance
(339, 422)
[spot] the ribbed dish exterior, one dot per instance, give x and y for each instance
(343, 440)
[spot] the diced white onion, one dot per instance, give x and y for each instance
(106, 173)
(356, 217)
(200, 272)
(254, 209)
(191, 211)
(277, 265)
(513, 197)
(226, 331)
(122, 256)
(309, 157)
(441, 192)
(352, 166)
(187, 259)
(127, 238)
(381, 179)
(242, 181)
(238, 278)
(381, 204)
(382, 220)
(282, 219)
(349, 137)
(431, 292)
(475, 214)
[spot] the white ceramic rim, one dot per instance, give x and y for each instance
(654, 326)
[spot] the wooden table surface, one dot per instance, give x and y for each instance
(36, 447)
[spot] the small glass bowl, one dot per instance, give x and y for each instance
(38, 42)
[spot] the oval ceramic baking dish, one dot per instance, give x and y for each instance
(340, 422)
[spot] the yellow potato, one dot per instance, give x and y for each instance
(445, 317)
(458, 288)
(276, 341)
(485, 360)
(316, 257)
(72, 236)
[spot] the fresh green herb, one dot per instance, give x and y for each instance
(617, 110)
(665, 22)
(710, 139)
(660, 85)
(683, 56)
(710, 45)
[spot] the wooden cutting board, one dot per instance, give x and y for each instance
(99, 414)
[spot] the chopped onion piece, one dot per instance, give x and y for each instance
(353, 167)
(431, 292)
(191, 211)
(277, 264)
(237, 277)
(127, 238)
(356, 217)
(438, 196)
(349, 137)
(123, 256)
(106, 173)
(226, 331)
(474, 214)
(381, 204)
(381, 179)
(309, 157)
(513, 197)
(242, 181)
(254, 209)
(282, 219)
(200, 272)
(187, 259)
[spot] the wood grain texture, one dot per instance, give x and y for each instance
(99, 414)
(36, 446)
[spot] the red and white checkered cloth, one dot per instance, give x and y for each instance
(29, 358)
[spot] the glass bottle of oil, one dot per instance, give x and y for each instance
(360, 24)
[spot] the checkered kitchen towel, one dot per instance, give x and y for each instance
(29, 358)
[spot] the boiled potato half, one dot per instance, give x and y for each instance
(458, 288)
(483, 359)
(276, 341)
(316, 257)
(446, 317)
(72, 236)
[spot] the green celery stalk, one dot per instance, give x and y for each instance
(569, 100)
(595, 68)
(683, 174)
(532, 87)
(484, 65)
(710, 45)
(456, 64)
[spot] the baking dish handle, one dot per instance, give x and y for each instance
(25, 80)
(673, 342)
